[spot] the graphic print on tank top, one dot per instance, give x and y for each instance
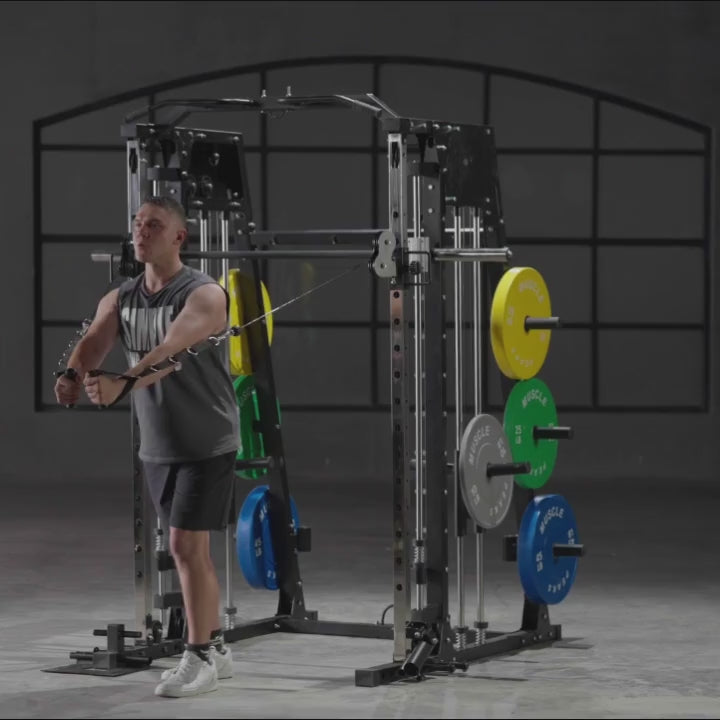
(186, 416)
(143, 329)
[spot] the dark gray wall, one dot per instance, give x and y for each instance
(58, 56)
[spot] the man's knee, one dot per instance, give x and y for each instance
(187, 545)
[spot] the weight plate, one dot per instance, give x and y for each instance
(548, 519)
(521, 293)
(253, 544)
(487, 499)
(270, 566)
(530, 405)
(249, 540)
(240, 363)
(251, 442)
(261, 439)
(250, 445)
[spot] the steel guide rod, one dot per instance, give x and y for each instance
(230, 609)
(459, 418)
(337, 236)
(266, 239)
(467, 220)
(142, 532)
(477, 367)
(211, 242)
(142, 508)
(204, 242)
(278, 254)
(160, 547)
(499, 255)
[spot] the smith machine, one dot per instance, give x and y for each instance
(444, 208)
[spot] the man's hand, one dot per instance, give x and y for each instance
(67, 390)
(103, 390)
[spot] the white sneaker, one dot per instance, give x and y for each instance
(223, 661)
(192, 676)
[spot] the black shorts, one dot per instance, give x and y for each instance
(193, 495)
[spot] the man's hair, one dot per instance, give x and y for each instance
(171, 205)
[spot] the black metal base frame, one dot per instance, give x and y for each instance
(118, 659)
(496, 643)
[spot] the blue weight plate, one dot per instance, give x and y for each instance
(249, 537)
(548, 519)
(254, 540)
(269, 564)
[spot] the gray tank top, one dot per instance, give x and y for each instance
(188, 415)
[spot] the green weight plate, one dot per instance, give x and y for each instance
(530, 405)
(257, 417)
(259, 436)
(250, 441)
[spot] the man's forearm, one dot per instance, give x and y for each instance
(152, 379)
(154, 357)
(87, 355)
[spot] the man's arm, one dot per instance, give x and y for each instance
(204, 314)
(98, 341)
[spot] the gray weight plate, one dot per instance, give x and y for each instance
(487, 499)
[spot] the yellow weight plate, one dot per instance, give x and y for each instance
(521, 293)
(239, 352)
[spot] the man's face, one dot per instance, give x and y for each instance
(157, 234)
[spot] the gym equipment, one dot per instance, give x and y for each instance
(251, 446)
(520, 323)
(444, 206)
(254, 545)
(530, 423)
(128, 266)
(239, 353)
(118, 658)
(548, 549)
(486, 471)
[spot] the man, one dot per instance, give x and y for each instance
(188, 419)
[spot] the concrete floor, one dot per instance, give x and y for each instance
(641, 636)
